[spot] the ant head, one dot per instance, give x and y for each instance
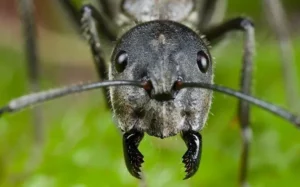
(162, 54)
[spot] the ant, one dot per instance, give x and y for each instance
(160, 78)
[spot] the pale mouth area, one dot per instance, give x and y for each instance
(164, 119)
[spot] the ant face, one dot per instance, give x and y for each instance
(161, 71)
(162, 54)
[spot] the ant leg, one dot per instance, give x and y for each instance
(110, 8)
(90, 32)
(215, 34)
(91, 22)
(277, 19)
(26, 8)
(105, 26)
(210, 12)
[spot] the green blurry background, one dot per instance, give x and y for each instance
(82, 147)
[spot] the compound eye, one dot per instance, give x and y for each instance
(121, 61)
(202, 61)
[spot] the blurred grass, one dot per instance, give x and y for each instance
(83, 147)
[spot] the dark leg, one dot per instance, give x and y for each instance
(192, 156)
(105, 26)
(110, 8)
(210, 12)
(91, 34)
(133, 157)
(31, 51)
(215, 34)
(277, 19)
(87, 23)
(89, 20)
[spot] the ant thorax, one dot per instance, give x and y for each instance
(145, 10)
